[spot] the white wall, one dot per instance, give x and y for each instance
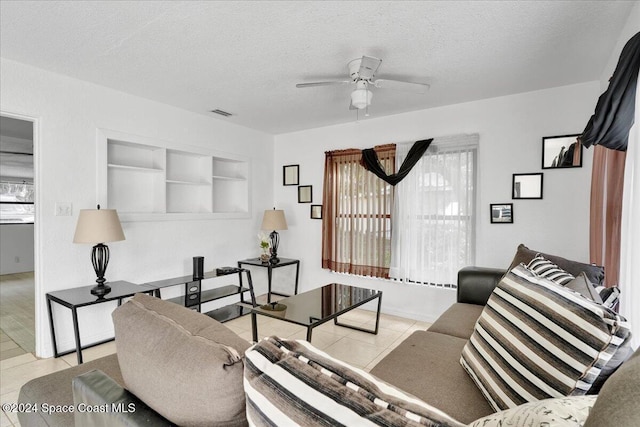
(68, 112)
(16, 248)
(510, 129)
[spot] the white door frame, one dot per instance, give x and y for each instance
(40, 311)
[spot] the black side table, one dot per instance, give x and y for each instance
(283, 262)
(82, 297)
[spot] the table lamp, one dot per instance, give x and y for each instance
(274, 220)
(99, 226)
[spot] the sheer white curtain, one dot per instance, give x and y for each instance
(630, 231)
(434, 213)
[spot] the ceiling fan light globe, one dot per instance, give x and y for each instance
(361, 98)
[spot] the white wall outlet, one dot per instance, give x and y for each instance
(64, 209)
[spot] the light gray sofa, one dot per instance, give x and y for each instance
(427, 365)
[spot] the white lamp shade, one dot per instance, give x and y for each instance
(98, 226)
(361, 98)
(274, 220)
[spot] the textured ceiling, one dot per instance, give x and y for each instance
(246, 57)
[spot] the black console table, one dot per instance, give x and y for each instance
(256, 262)
(194, 296)
(76, 298)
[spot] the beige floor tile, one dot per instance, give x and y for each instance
(279, 328)
(392, 322)
(354, 352)
(4, 337)
(320, 339)
(92, 353)
(377, 360)
(8, 354)
(246, 335)
(18, 360)
(384, 337)
(4, 420)
(13, 379)
(358, 316)
(11, 397)
(8, 345)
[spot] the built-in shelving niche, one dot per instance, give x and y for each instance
(148, 179)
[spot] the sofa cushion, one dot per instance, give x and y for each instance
(290, 382)
(535, 340)
(609, 296)
(426, 364)
(595, 273)
(569, 411)
(617, 403)
(183, 364)
(458, 321)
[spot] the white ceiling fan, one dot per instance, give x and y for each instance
(362, 71)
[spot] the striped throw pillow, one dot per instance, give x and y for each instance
(545, 268)
(609, 296)
(291, 382)
(536, 340)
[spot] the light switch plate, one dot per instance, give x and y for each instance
(64, 209)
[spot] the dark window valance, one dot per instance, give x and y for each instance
(614, 114)
(371, 163)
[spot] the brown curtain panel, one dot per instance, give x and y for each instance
(356, 220)
(607, 184)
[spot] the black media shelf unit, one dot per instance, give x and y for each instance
(195, 296)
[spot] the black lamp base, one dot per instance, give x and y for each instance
(100, 290)
(275, 240)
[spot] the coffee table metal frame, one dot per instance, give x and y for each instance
(315, 322)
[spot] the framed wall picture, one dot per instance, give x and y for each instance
(526, 186)
(305, 194)
(291, 175)
(501, 213)
(316, 211)
(561, 152)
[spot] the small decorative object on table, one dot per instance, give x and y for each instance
(264, 245)
(278, 309)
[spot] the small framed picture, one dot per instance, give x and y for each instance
(291, 175)
(501, 213)
(316, 211)
(305, 194)
(562, 151)
(526, 186)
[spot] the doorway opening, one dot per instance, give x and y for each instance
(17, 237)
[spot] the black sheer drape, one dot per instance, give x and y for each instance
(614, 115)
(371, 163)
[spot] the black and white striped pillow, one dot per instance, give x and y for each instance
(609, 296)
(290, 382)
(536, 340)
(545, 268)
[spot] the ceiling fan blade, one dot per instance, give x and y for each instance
(368, 67)
(400, 85)
(331, 83)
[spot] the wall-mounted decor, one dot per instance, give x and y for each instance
(316, 211)
(305, 194)
(561, 152)
(291, 175)
(526, 186)
(501, 213)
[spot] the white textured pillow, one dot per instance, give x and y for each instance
(560, 412)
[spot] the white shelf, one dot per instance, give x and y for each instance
(135, 168)
(147, 179)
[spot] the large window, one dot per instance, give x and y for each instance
(356, 235)
(433, 218)
(421, 231)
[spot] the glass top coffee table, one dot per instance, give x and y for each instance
(318, 306)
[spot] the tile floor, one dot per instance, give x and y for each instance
(358, 348)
